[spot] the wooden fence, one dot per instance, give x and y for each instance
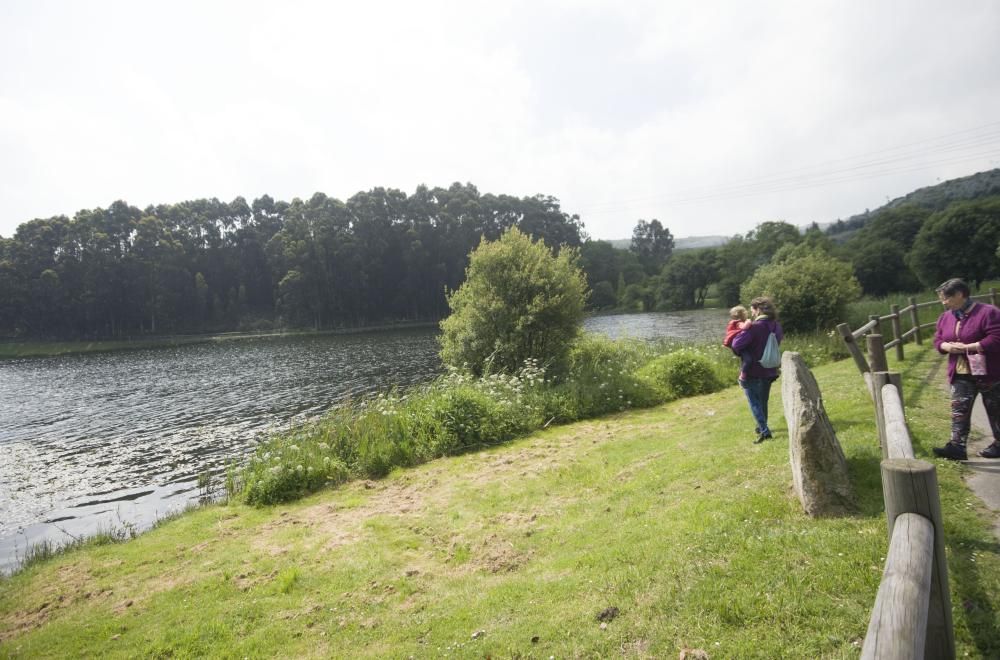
(912, 613)
(911, 617)
(896, 318)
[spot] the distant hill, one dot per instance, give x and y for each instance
(687, 243)
(937, 197)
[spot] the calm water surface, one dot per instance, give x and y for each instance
(92, 441)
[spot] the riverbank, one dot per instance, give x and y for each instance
(16, 349)
(641, 533)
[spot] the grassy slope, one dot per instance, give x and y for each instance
(669, 514)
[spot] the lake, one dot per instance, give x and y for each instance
(101, 440)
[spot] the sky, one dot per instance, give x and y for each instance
(711, 117)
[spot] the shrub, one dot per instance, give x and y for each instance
(602, 378)
(682, 373)
(518, 302)
(810, 288)
(290, 466)
(459, 412)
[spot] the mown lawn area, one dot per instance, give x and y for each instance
(638, 534)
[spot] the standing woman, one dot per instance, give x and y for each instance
(756, 379)
(966, 330)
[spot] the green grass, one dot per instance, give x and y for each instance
(669, 514)
(459, 413)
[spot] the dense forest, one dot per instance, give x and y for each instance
(385, 256)
(207, 265)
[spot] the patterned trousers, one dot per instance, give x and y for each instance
(963, 395)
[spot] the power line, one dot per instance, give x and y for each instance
(965, 146)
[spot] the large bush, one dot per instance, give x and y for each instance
(681, 374)
(810, 288)
(519, 302)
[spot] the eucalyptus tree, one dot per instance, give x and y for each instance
(652, 243)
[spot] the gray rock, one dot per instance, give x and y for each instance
(819, 469)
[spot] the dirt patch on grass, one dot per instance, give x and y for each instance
(250, 579)
(72, 583)
(498, 555)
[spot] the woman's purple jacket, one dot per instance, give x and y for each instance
(753, 340)
(981, 324)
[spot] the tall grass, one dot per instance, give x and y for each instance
(458, 413)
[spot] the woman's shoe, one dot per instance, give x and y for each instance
(952, 452)
(993, 451)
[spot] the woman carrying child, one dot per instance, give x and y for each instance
(756, 379)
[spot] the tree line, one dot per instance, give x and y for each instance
(385, 256)
(207, 265)
(900, 249)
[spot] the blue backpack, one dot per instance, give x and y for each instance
(771, 359)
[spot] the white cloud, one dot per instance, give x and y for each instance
(623, 112)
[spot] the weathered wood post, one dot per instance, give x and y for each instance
(879, 380)
(852, 348)
(915, 320)
(897, 331)
(876, 353)
(876, 328)
(993, 296)
(898, 625)
(910, 486)
(897, 435)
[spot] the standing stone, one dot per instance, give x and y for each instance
(819, 468)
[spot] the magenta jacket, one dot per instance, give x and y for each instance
(981, 324)
(752, 341)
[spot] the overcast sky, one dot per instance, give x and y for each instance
(711, 117)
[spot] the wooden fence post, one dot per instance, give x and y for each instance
(876, 353)
(877, 328)
(915, 320)
(910, 486)
(897, 332)
(993, 296)
(852, 348)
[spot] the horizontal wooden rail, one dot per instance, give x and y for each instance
(898, 443)
(864, 329)
(898, 625)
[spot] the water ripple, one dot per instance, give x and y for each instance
(80, 432)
